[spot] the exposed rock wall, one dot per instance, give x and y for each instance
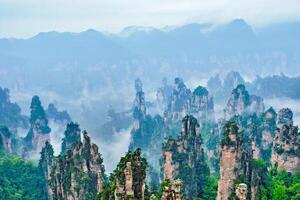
(231, 163)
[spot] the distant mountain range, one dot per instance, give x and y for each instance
(99, 60)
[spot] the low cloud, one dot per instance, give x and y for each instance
(113, 150)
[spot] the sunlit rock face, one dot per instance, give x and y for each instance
(241, 103)
(231, 162)
(184, 157)
(82, 165)
(286, 150)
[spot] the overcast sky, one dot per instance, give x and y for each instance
(25, 18)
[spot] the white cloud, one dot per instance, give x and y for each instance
(113, 150)
(28, 17)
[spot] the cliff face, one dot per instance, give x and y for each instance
(39, 132)
(129, 177)
(241, 103)
(184, 158)
(286, 145)
(231, 161)
(76, 175)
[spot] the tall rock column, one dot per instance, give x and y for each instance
(231, 166)
(39, 132)
(286, 148)
(139, 107)
(241, 103)
(78, 174)
(201, 105)
(184, 158)
(72, 136)
(46, 162)
(130, 176)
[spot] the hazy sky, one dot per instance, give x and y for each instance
(25, 18)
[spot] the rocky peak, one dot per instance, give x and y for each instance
(184, 158)
(231, 161)
(189, 126)
(285, 117)
(179, 97)
(39, 131)
(286, 145)
(82, 165)
(72, 136)
(201, 104)
(130, 176)
(241, 103)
